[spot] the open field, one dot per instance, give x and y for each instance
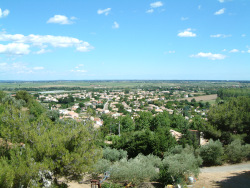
(119, 84)
(201, 98)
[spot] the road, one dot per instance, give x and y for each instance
(106, 105)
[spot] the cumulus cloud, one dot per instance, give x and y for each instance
(156, 4)
(234, 51)
(170, 52)
(4, 13)
(78, 66)
(115, 26)
(61, 19)
(79, 71)
(219, 12)
(18, 68)
(187, 33)
(220, 36)
(43, 40)
(104, 11)
(150, 11)
(184, 18)
(38, 68)
(223, 1)
(14, 49)
(42, 51)
(209, 56)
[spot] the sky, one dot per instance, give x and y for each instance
(124, 40)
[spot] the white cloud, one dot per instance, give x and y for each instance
(84, 47)
(219, 12)
(42, 51)
(73, 18)
(3, 64)
(156, 4)
(220, 36)
(104, 11)
(187, 33)
(78, 66)
(115, 26)
(150, 11)
(14, 49)
(234, 51)
(209, 56)
(18, 68)
(79, 71)
(61, 19)
(169, 52)
(243, 35)
(199, 7)
(43, 40)
(223, 1)
(38, 68)
(4, 13)
(184, 18)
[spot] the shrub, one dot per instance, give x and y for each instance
(114, 154)
(101, 166)
(212, 153)
(111, 185)
(178, 164)
(135, 170)
(236, 152)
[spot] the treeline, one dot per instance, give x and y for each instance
(226, 93)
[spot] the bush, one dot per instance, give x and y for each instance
(135, 170)
(178, 164)
(111, 185)
(101, 166)
(236, 152)
(212, 153)
(114, 154)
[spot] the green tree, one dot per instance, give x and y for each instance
(66, 149)
(230, 120)
(212, 153)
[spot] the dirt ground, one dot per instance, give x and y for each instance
(230, 176)
(201, 98)
(77, 185)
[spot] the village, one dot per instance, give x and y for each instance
(90, 105)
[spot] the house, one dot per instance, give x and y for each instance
(73, 115)
(175, 134)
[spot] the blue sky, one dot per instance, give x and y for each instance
(125, 39)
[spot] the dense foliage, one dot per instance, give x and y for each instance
(226, 93)
(236, 152)
(32, 145)
(230, 120)
(212, 153)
